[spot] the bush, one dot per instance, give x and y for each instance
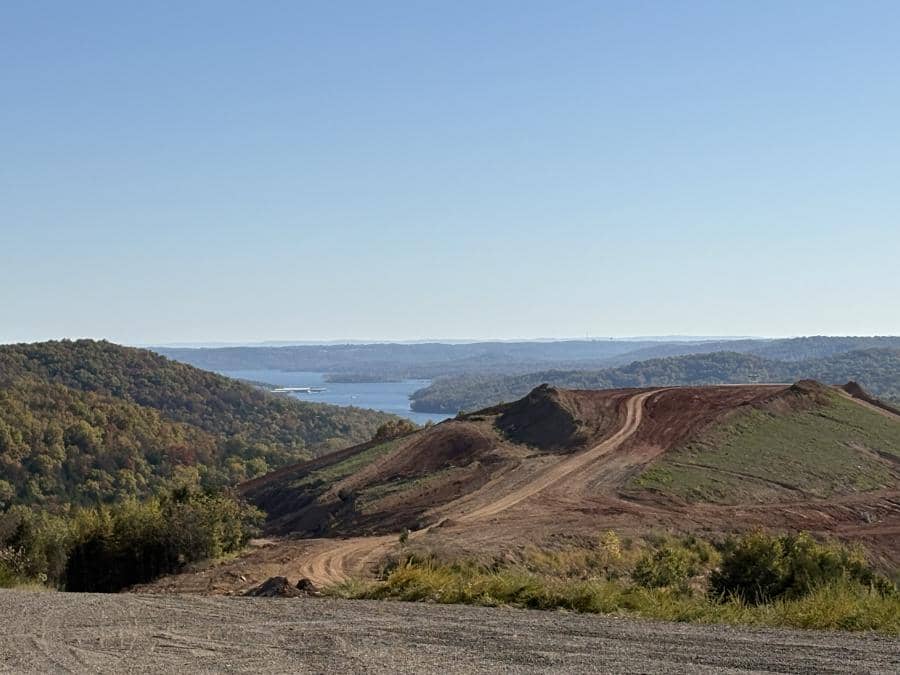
(35, 544)
(11, 565)
(670, 565)
(394, 429)
(548, 579)
(134, 542)
(760, 567)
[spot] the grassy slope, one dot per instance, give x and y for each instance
(323, 477)
(832, 449)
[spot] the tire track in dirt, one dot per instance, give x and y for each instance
(634, 409)
(336, 564)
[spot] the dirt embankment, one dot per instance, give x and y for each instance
(857, 392)
(472, 485)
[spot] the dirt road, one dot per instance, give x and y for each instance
(71, 632)
(333, 564)
(346, 558)
(634, 407)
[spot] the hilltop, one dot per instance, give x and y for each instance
(876, 369)
(567, 463)
(85, 421)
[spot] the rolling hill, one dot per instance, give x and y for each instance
(85, 421)
(574, 463)
(876, 369)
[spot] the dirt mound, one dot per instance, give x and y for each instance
(452, 443)
(555, 420)
(557, 461)
(856, 391)
(678, 413)
(487, 459)
(541, 419)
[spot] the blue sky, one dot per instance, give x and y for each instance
(205, 171)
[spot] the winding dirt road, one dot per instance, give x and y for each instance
(634, 413)
(349, 557)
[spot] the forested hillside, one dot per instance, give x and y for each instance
(878, 370)
(821, 346)
(90, 421)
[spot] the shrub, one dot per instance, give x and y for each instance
(11, 567)
(759, 568)
(547, 583)
(39, 540)
(670, 565)
(135, 542)
(394, 429)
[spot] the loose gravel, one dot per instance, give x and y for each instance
(68, 632)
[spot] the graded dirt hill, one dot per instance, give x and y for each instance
(568, 464)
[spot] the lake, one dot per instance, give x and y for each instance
(390, 397)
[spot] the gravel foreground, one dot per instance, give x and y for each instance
(68, 632)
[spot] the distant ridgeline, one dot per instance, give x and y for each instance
(390, 362)
(878, 370)
(85, 421)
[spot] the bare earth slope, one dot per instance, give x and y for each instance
(574, 463)
(73, 632)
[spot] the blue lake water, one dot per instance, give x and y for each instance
(390, 397)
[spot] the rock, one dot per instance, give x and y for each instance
(275, 587)
(307, 587)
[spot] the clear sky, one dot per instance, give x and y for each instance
(238, 171)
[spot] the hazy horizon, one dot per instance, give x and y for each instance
(212, 344)
(224, 172)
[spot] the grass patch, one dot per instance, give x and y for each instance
(756, 455)
(335, 472)
(598, 580)
(369, 496)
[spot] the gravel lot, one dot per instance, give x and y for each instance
(142, 633)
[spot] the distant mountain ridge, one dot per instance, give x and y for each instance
(429, 360)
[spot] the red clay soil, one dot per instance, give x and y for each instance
(857, 392)
(495, 481)
(559, 420)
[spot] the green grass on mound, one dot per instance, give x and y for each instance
(333, 473)
(836, 448)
